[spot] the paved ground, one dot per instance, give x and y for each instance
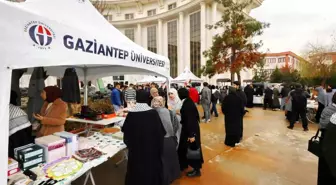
(270, 154)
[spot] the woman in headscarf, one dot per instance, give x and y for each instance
(144, 137)
(171, 167)
(276, 96)
(190, 135)
(20, 129)
(174, 101)
(53, 113)
(233, 110)
(327, 161)
(175, 104)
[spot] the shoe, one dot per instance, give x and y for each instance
(203, 120)
(306, 129)
(290, 127)
(194, 173)
(216, 116)
(208, 121)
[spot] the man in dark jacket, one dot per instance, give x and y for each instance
(284, 93)
(242, 96)
(268, 98)
(299, 107)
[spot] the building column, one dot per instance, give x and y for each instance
(159, 40)
(214, 16)
(203, 32)
(139, 35)
(180, 48)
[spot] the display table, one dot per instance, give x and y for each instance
(115, 146)
(103, 122)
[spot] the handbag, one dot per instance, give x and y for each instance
(194, 154)
(314, 145)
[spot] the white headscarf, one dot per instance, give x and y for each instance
(176, 103)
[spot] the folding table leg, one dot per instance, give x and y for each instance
(125, 157)
(89, 174)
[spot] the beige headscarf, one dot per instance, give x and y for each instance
(152, 91)
(158, 102)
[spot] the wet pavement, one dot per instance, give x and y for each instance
(270, 154)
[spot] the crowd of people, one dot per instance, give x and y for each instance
(162, 128)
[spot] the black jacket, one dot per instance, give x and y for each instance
(268, 93)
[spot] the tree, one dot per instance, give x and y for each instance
(233, 50)
(319, 63)
(260, 73)
(276, 76)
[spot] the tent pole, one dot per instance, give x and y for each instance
(85, 86)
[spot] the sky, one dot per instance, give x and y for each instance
(295, 23)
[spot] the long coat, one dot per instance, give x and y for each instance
(190, 128)
(233, 110)
(249, 95)
(53, 118)
(144, 135)
(276, 95)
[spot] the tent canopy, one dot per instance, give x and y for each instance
(70, 33)
(187, 75)
(66, 33)
(154, 79)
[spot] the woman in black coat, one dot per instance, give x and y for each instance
(233, 110)
(190, 134)
(327, 160)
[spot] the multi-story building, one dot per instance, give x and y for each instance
(283, 59)
(173, 28)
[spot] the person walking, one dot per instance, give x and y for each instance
(171, 166)
(299, 107)
(214, 99)
(206, 101)
(249, 92)
(190, 135)
(284, 94)
(233, 110)
(268, 98)
(193, 93)
(116, 98)
(322, 102)
(276, 96)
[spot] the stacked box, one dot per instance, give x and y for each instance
(71, 142)
(54, 147)
(13, 167)
(29, 156)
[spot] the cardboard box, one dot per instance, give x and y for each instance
(54, 147)
(71, 142)
(30, 153)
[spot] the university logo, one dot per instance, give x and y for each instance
(41, 34)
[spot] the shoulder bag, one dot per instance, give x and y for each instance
(314, 145)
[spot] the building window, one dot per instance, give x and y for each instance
(281, 60)
(129, 16)
(130, 34)
(172, 47)
(195, 42)
(151, 12)
(108, 17)
(171, 6)
(151, 39)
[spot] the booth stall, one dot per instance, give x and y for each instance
(57, 34)
(186, 76)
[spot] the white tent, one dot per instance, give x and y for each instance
(67, 33)
(155, 79)
(186, 76)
